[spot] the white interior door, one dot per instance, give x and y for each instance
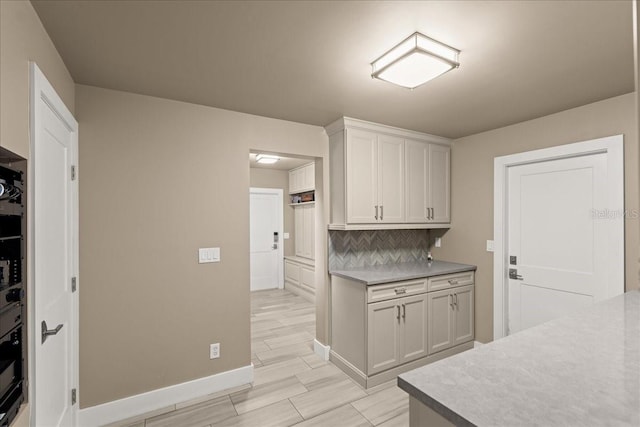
(54, 256)
(266, 238)
(559, 244)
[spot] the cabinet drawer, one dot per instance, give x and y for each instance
(291, 271)
(395, 290)
(447, 281)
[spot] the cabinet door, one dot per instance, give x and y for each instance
(440, 322)
(307, 276)
(292, 184)
(291, 271)
(416, 181)
(463, 321)
(413, 332)
(391, 179)
(362, 175)
(383, 324)
(308, 231)
(439, 185)
(298, 219)
(309, 177)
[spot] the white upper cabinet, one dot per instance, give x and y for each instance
(375, 182)
(362, 176)
(385, 178)
(302, 179)
(427, 182)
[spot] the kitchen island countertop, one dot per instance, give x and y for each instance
(376, 274)
(582, 369)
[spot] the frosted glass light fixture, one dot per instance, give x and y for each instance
(266, 159)
(415, 61)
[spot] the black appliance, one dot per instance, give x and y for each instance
(12, 290)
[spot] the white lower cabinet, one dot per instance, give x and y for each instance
(397, 332)
(450, 318)
(380, 331)
(299, 278)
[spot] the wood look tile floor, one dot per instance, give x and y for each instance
(292, 386)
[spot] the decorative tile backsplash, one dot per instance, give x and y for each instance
(375, 247)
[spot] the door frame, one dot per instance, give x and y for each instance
(279, 193)
(613, 146)
(40, 88)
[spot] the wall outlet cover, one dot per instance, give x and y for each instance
(489, 245)
(214, 351)
(438, 242)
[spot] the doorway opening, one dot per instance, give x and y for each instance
(558, 231)
(284, 310)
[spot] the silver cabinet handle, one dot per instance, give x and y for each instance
(451, 303)
(46, 332)
(456, 301)
(376, 212)
(453, 282)
(404, 311)
(398, 316)
(428, 213)
(399, 291)
(432, 213)
(381, 212)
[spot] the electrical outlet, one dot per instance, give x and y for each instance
(438, 242)
(489, 245)
(214, 351)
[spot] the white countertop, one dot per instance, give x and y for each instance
(580, 370)
(376, 274)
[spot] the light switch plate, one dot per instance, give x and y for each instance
(438, 242)
(286, 236)
(206, 255)
(489, 245)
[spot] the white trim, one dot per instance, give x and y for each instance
(278, 192)
(321, 349)
(477, 344)
(132, 406)
(41, 89)
(343, 122)
(613, 146)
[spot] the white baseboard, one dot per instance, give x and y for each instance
(146, 402)
(477, 344)
(321, 349)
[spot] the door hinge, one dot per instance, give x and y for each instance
(74, 396)
(73, 172)
(74, 284)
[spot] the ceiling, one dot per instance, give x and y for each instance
(284, 164)
(309, 61)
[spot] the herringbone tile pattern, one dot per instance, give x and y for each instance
(375, 247)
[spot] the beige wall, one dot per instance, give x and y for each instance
(158, 179)
(23, 39)
(472, 186)
(273, 178)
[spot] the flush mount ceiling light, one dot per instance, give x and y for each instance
(266, 159)
(415, 61)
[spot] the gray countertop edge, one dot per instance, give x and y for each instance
(433, 404)
(353, 275)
